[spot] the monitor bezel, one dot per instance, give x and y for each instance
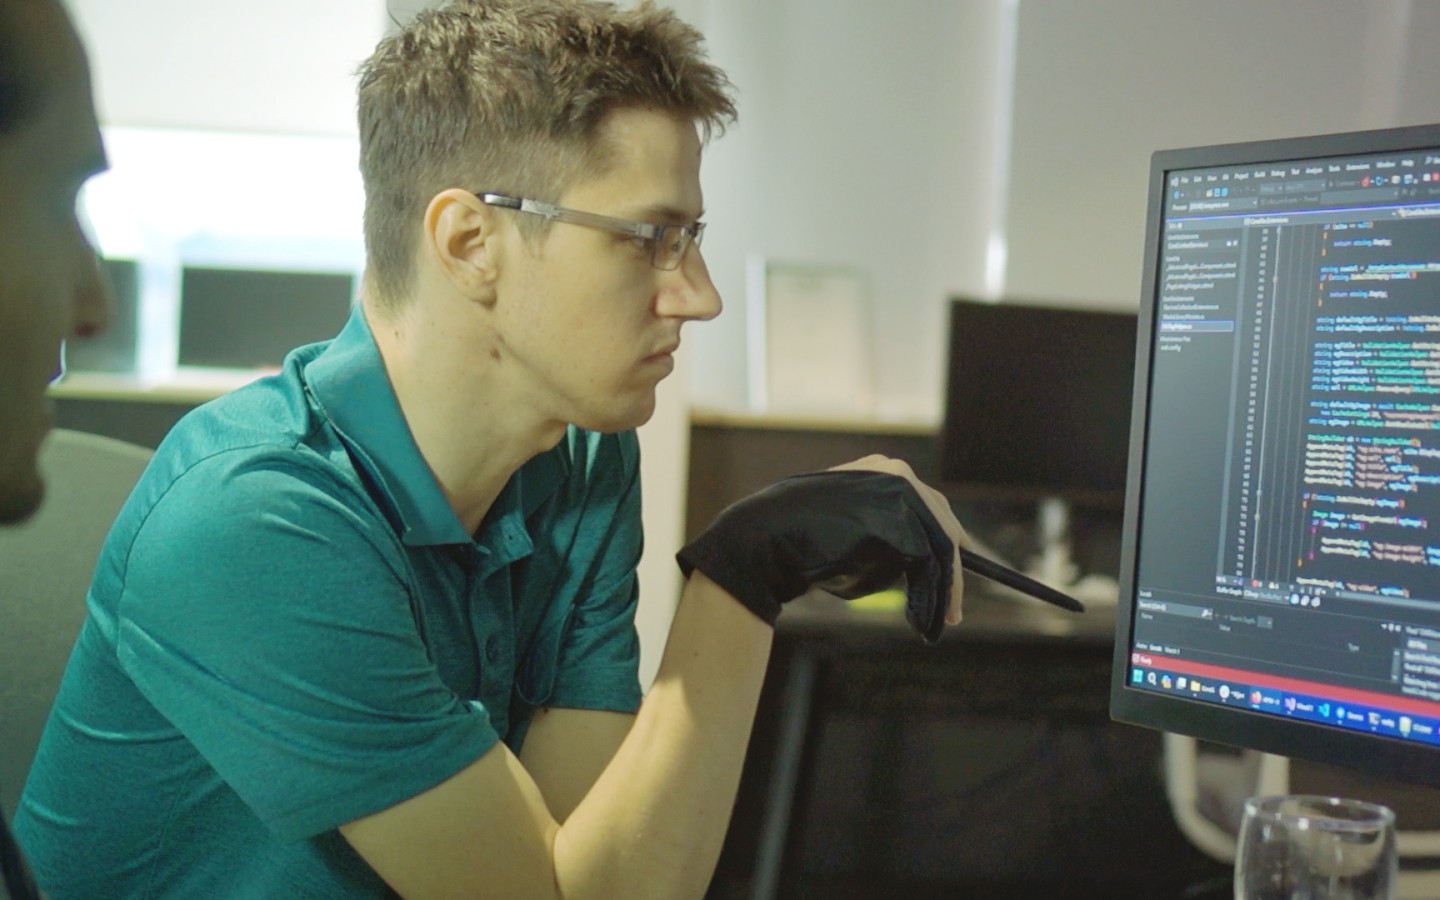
(1369, 753)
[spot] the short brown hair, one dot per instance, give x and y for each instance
(510, 96)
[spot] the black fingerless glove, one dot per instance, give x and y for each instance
(865, 528)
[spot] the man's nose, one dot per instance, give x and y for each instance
(688, 292)
(93, 302)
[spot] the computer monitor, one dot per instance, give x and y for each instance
(1037, 401)
(1037, 418)
(244, 318)
(1280, 567)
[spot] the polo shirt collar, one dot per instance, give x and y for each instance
(350, 386)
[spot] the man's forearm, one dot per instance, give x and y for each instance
(653, 824)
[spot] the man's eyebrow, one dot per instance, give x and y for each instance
(663, 214)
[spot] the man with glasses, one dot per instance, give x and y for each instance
(367, 626)
(50, 283)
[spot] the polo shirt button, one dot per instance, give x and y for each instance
(492, 649)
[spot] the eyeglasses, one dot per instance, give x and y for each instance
(667, 243)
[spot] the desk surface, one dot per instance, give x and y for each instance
(989, 615)
(191, 386)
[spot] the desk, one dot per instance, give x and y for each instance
(985, 766)
(132, 409)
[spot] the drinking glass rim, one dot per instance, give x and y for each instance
(1327, 812)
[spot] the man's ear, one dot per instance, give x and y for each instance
(461, 239)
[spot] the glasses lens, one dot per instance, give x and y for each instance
(670, 246)
(673, 241)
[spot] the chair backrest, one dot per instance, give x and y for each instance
(45, 570)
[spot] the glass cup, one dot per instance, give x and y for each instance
(1299, 847)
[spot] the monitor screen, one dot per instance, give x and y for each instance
(1280, 585)
(238, 318)
(1038, 402)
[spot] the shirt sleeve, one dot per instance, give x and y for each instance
(267, 612)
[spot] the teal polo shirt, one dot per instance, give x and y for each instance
(289, 629)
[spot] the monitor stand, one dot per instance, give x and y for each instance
(1053, 564)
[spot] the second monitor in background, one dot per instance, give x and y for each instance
(247, 318)
(1037, 415)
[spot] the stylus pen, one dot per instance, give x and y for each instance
(988, 568)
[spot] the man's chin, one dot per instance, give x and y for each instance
(632, 420)
(620, 417)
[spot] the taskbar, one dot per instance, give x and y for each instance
(1402, 718)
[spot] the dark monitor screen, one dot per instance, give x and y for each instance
(250, 318)
(1037, 402)
(1280, 573)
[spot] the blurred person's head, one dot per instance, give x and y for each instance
(51, 288)
(513, 96)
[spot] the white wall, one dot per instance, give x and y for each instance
(866, 134)
(865, 139)
(258, 65)
(1100, 85)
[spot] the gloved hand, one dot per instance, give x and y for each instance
(850, 532)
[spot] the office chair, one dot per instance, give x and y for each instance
(1207, 790)
(45, 570)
